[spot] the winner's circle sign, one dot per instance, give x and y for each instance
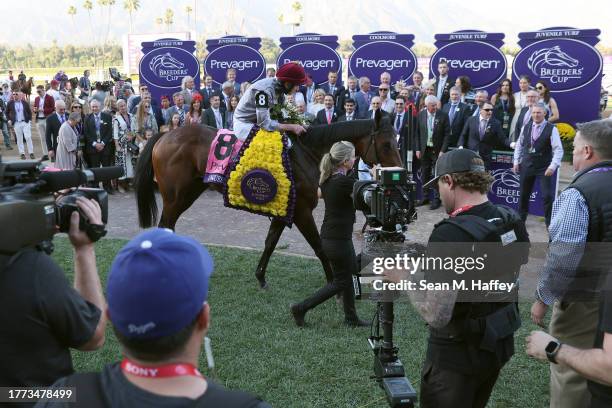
(317, 59)
(165, 67)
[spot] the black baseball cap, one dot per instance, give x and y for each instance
(457, 161)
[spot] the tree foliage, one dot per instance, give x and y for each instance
(51, 57)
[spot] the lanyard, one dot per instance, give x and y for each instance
(164, 371)
(460, 210)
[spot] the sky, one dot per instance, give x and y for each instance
(49, 20)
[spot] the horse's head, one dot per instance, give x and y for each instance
(556, 57)
(380, 146)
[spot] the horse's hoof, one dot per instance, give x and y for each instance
(263, 285)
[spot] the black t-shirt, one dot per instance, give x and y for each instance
(602, 394)
(459, 355)
(118, 392)
(339, 209)
(41, 318)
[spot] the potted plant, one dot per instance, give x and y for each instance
(567, 133)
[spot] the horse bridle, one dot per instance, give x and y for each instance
(365, 155)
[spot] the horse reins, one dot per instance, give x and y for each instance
(372, 142)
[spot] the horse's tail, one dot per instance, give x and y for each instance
(145, 184)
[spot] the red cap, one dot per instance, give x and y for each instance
(54, 82)
(292, 72)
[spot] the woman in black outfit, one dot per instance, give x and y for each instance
(336, 234)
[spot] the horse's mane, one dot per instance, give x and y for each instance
(322, 136)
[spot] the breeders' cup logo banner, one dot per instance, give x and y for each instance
(566, 59)
(475, 54)
(316, 53)
(237, 52)
(566, 64)
(165, 63)
(383, 51)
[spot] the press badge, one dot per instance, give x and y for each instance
(508, 238)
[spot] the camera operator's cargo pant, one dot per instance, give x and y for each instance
(573, 323)
(24, 130)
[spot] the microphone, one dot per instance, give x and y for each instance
(60, 180)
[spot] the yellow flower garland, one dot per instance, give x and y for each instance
(264, 152)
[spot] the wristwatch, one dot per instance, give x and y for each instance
(552, 349)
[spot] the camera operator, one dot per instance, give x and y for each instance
(336, 234)
(469, 341)
(42, 315)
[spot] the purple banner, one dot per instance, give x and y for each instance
(472, 53)
(165, 63)
(317, 53)
(505, 189)
(566, 59)
(240, 53)
(383, 51)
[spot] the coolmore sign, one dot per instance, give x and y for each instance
(475, 54)
(566, 59)
(165, 63)
(383, 51)
(317, 53)
(237, 52)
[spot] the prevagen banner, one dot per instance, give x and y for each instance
(566, 59)
(472, 53)
(383, 51)
(165, 63)
(317, 53)
(240, 53)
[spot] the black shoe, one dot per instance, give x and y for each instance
(45, 157)
(23, 157)
(298, 315)
(356, 322)
(435, 204)
(32, 156)
(423, 202)
(9, 147)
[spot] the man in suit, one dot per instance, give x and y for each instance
(178, 107)
(538, 154)
(207, 91)
(227, 91)
(433, 129)
(308, 90)
(231, 78)
(189, 89)
(214, 116)
(98, 132)
(327, 115)
(457, 112)
(399, 119)
(43, 107)
(525, 114)
(376, 105)
(301, 107)
(348, 93)
(19, 115)
(483, 134)
(443, 83)
(332, 86)
(134, 100)
(482, 96)
(349, 111)
(52, 127)
(363, 98)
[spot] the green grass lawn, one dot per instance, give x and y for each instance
(258, 348)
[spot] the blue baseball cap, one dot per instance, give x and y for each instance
(158, 283)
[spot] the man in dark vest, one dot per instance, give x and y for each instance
(570, 279)
(537, 154)
(471, 336)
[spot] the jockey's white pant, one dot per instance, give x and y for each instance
(243, 129)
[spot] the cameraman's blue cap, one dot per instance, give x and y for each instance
(456, 161)
(158, 284)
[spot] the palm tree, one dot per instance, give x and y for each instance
(169, 18)
(159, 21)
(72, 12)
(188, 10)
(88, 5)
(131, 6)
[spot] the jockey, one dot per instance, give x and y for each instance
(254, 106)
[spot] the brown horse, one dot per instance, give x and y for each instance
(26, 87)
(177, 162)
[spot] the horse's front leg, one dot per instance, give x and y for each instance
(274, 233)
